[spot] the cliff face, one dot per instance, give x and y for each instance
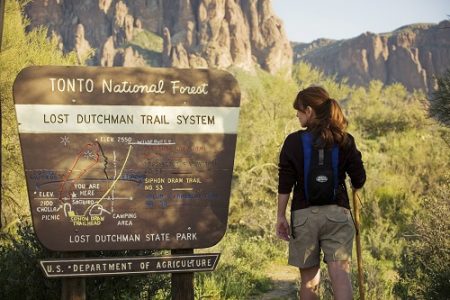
(190, 33)
(411, 55)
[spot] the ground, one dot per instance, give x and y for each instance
(285, 280)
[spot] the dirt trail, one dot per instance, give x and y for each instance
(285, 283)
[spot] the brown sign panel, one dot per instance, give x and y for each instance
(127, 158)
(129, 265)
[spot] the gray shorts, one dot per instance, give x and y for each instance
(328, 228)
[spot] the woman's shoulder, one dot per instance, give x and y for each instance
(349, 143)
(294, 136)
(292, 141)
(350, 138)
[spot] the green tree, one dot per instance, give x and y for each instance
(440, 102)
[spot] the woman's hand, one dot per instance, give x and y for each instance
(282, 228)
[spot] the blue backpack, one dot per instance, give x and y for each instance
(320, 172)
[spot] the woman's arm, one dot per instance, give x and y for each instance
(355, 167)
(282, 226)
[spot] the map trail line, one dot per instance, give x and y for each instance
(69, 172)
(113, 184)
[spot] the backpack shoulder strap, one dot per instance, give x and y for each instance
(307, 153)
(335, 165)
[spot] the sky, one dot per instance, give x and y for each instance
(307, 20)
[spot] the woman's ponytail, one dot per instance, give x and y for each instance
(329, 124)
(338, 123)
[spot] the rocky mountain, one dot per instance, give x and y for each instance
(412, 55)
(181, 33)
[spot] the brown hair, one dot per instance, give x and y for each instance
(328, 127)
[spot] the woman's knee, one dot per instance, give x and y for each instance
(310, 277)
(339, 272)
(339, 267)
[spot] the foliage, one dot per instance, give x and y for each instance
(263, 125)
(376, 110)
(305, 75)
(241, 271)
(148, 40)
(425, 267)
(149, 46)
(22, 249)
(405, 160)
(403, 152)
(19, 49)
(440, 102)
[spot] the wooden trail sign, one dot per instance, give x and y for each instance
(127, 158)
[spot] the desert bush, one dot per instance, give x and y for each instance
(22, 278)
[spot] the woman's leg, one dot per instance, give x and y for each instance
(309, 286)
(340, 279)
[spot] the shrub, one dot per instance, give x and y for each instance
(21, 277)
(425, 263)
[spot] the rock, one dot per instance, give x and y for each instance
(108, 53)
(197, 62)
(82, 46)
(412, 55)
(123, 24)
(104, 5)
(128, 58)
(120, 14)
(167, 48)
(240, 48)
(269, 43)
(138, 25)
(179, 56)
(403, 65)
(195, 33)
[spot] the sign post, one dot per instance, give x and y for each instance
(73, 289)
(127, 158)
(182, 284)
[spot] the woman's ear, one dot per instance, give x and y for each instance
(309, 111)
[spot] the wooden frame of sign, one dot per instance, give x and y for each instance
(127, 158)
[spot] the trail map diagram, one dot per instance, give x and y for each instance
(142, 165)
(73, 191)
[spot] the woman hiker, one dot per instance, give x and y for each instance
(314, 163)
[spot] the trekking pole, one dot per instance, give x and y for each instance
(358, 247)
